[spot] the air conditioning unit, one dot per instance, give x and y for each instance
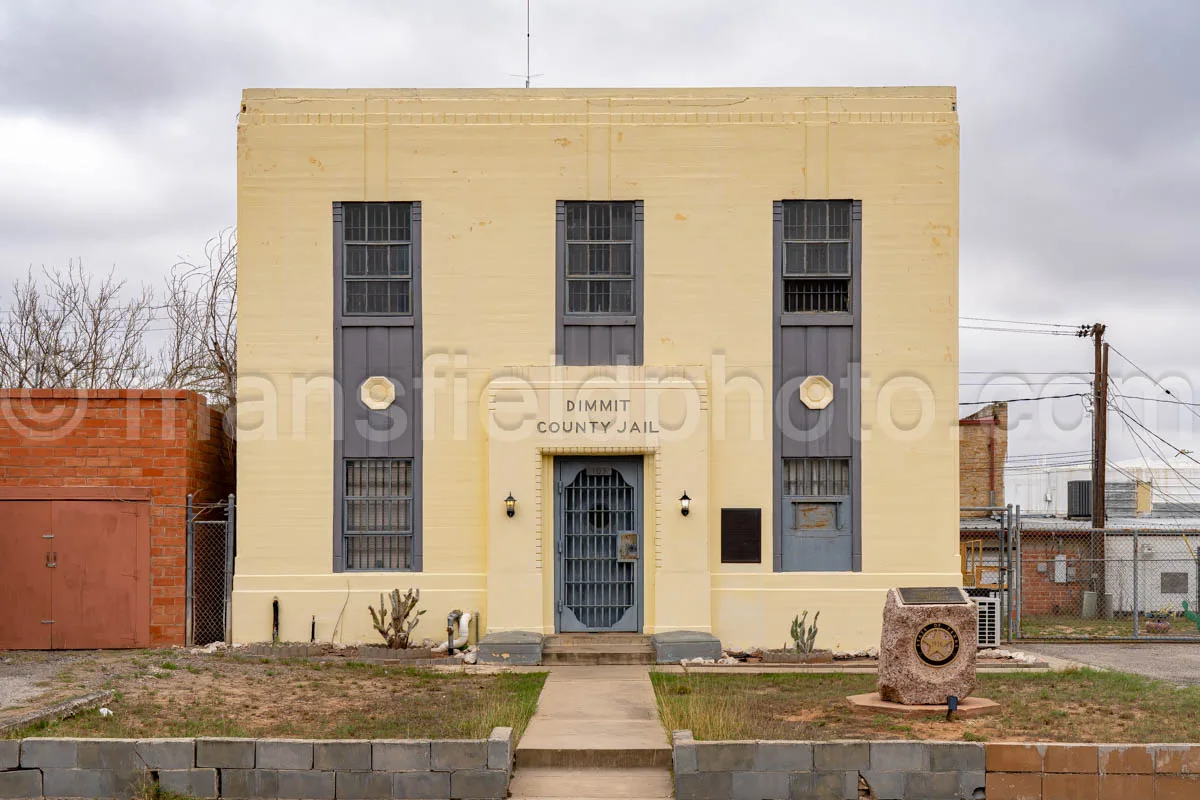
(1079, 499)
(989, 621)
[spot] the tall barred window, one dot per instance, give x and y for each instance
(377, 521)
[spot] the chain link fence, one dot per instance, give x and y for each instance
(210, 551)
(1071, 582)
(1112, 583)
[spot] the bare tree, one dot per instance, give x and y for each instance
(70, 331)
(201, 305)
(66, 329)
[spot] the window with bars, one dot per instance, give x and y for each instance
(600, 258)
(377, 529)
(816, 477)
(817, 237)
(377, 258)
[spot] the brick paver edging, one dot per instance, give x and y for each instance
(918, 770)
(461, 769)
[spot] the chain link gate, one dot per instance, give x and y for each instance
(210, 551)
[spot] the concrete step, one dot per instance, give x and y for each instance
(597, 648)
(578, 639)
(574, 658)
(545, 783)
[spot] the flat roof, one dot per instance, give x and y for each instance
(631, 93)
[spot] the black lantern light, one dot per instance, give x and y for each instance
(685, 503)
(510, 505)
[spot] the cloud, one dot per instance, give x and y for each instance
(1079, 154)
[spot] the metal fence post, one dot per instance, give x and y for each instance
(1136, 570)
(1019, 576)
(230, 539)
(188, 633)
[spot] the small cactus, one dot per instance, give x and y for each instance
(804, 636)
(396, 627)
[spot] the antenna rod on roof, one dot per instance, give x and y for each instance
(527, 46)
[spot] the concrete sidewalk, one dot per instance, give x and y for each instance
(596, 734)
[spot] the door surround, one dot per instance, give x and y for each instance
(544, 510)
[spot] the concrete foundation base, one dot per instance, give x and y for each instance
(671, 646)
(511, 647)
(873, 704)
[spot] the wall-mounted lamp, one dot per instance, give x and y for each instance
(685, 504)
(510, 505)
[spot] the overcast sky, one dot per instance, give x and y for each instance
(1080, 151)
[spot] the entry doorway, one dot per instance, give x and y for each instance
(598, 545)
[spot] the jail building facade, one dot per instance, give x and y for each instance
(596, 360)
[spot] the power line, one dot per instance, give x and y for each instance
(1132, 418)
(1022, 322)
(1056, 396)
(1015, 330)
(1154, 380)
(1021, 399)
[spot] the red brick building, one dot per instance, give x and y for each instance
(93, 494)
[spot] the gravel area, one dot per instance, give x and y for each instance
(1178, 663)
(26, 676)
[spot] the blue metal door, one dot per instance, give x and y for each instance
(598, 544)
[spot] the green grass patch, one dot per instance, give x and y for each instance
(1073, 706)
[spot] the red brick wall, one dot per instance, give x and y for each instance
(167, 441)
(982, 448)
(1039, 592)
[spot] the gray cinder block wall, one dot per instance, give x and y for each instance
(468, 769)
(762, 770)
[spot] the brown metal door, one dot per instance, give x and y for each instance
(101, 579)
(25, 551)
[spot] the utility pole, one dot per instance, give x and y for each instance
(1099, 417)
(1099, 424)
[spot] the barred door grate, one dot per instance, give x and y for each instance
(599, 541)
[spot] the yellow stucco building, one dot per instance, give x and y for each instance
(596, 310)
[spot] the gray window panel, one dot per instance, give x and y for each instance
(816, 515)
(817, 332)
(377, 331)
(600, 275)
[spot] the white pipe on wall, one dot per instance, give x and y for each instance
(464, 633)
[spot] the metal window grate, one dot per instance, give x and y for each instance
(817, 253)
(801, 294)
(377, 519)
(816, 477)
(600, 258)
(377, 258)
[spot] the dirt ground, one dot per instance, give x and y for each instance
(181, 693)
